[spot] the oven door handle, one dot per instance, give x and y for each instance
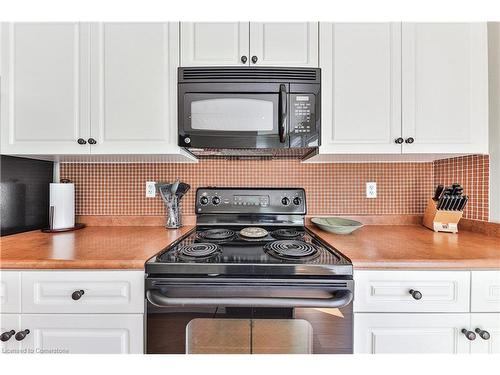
(338, 299)
(282, 112)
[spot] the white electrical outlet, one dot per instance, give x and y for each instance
(371, 190)
(150, 189)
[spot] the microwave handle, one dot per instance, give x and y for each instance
(282, 112)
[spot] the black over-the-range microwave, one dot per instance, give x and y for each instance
(249, 108)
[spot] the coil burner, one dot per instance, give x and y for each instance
(217, 234)
(291, 250)
(198, 251)
(287, 234)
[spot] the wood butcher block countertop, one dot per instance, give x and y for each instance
(372, 247)
(414, 246)
(88, 248)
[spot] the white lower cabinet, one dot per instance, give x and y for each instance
(410, 333)
(9, 325)
(87, 312)
(409, 311)
(487, 329)
(83, 333)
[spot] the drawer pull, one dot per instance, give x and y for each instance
(469, 334)
(77, 294)
(415, 294)
(7, 335)
(485, 335)
(22, 334)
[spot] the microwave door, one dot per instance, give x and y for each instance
(235, 120)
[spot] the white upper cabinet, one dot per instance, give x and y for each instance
(44, 88)
(214, 43)
(249, 43)
(134, 87)
(284, 44)
(361, 87)
(445, 87)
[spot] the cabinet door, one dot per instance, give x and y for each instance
(134, 88)
(44, 88)
(410, 333)
(361, 87)
(485, 295)
(491, 324)
(10, 291)
(83, 333)
(445, 87)
(284, 44)
(215, 43)
(8, 323)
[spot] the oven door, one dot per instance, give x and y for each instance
(244, 318)
(229, 115)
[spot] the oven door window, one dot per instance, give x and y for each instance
(249, 336)
(235, 114)
(225, 330)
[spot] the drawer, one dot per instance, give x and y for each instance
(485, 291)
(389, 291)
(103, 292)
(10, 291)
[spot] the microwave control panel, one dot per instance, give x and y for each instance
(302, 113)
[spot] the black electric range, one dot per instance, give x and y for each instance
(250, 232)
(250, 278)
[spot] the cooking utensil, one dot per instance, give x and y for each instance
(174, 187)
(170, 197)
(182, 189)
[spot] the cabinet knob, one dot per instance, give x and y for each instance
(485, 335)
(416, 294)
(469, 334)
(22, 334)
(409, 140)
(254, 59)
(7, 335)
(244, 59)
(92, 141)
(81, 141)
(77, 294)
(399, 140)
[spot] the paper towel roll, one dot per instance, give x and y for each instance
(62, 199)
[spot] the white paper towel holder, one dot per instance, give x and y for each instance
(51, 217)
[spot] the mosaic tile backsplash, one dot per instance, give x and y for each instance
(473, 173)
(336, 189)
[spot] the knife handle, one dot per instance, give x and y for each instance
(437, 193)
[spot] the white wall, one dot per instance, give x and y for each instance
(494, 75)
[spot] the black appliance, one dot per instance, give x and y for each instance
(224, 108)
(250, 278)
(24, 193)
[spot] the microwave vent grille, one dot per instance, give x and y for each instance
(249, 74)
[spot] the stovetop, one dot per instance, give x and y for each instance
(270, 251)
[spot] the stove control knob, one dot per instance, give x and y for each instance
(297, 201)
(204, 200)
(285, 201)
(215, 201)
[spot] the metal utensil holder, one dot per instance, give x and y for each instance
(173, 215)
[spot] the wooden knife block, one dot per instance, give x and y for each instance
(441, 221)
